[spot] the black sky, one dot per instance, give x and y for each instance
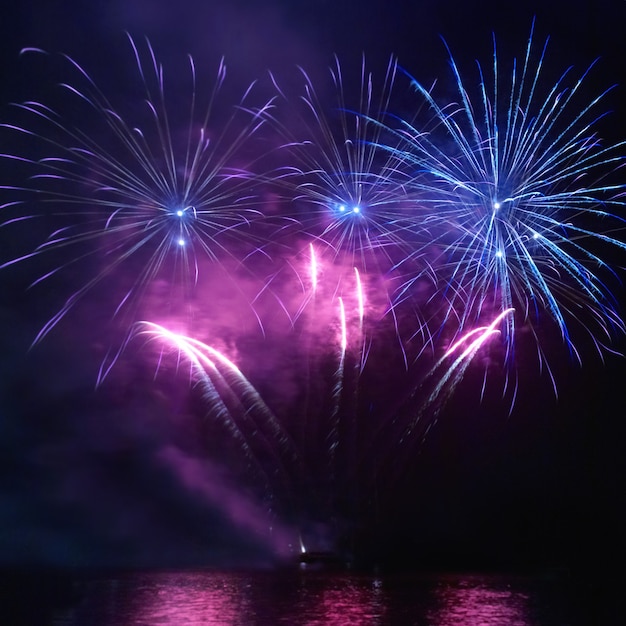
(87, 478)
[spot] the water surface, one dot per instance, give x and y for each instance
(328, 598)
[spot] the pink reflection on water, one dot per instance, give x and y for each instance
(470, 601)
(202, 598)
(352, 602)
(193, 599)
(313, 598)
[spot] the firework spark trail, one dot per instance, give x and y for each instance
(325, 305)
(314, 270)
(274, 454)
(483, 331)
(352, 416)
(445, 383)
(237, 404)
(456, 370)
(333, 433)
(517, 201)
(136, 193)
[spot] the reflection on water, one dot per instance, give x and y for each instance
(190, 599)
(312, 598)
(347, 600)
(479, 602)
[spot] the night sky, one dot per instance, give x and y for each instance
(139, 472)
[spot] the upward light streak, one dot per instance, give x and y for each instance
(483, 332)
(469, 345)
(343, 328)
(196, 351)
(314, 269)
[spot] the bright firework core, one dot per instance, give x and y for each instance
(186, 212)
(184, 215)
(342, 208)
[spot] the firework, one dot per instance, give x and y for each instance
(520, 201)
(343, 190)
(144, 192)
(493, 213)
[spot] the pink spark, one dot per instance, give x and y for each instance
(486, 331)
(313, 269)
(344, 332)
